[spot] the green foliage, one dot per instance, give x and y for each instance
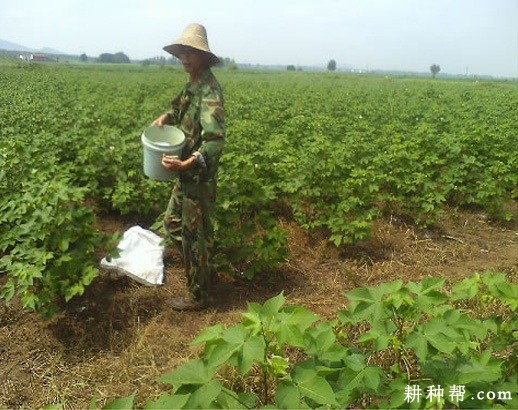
(332, 152)
(435, 68)
(418, 334)
(420, 322)
(117, 58)
(48, 245)
(331, 65)
(249, 239)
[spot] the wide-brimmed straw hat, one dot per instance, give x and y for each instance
(194, 36)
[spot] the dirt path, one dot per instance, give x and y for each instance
(120, 336)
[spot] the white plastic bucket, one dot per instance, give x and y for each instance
(157, 140)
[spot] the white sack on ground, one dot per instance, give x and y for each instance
(140, 257)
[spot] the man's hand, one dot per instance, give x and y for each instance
(173, 163)
(162, 120)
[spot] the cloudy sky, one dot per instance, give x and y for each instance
(474, 36)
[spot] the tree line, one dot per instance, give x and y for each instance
(117, 58)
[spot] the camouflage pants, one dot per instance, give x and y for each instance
(189, 222)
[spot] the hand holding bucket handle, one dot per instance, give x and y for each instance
(173, 163)
(162, 120)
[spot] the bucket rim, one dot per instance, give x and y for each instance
(163, 145)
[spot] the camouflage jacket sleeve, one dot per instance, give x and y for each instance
(212, 122)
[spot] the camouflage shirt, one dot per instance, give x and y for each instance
(199, 112)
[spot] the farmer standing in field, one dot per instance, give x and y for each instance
(199, 112)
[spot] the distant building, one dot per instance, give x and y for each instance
(42, 57)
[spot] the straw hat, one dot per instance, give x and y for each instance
(194, 36)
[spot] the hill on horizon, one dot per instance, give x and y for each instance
(10, 46)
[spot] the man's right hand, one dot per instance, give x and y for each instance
(162, 120)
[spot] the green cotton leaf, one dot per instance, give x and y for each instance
(221, 352)
(441, 336)
(204, 396)
(290, 334)
(337, 239)
(279, 365)
(364, 304)
(372, 377)
(74, 290)
(368, 377)
(466, 325)
(8, 290)
(299, 316)
(395, 398)
(434, 333)
(441, 371)
(335, 353)
(381, 340)
(252, 318)
(209, 334)
(442, 342)
(403, 297)
(168, 401)
(29, 301)
(287, 396)
(89, 273)
(123, 403)
(247, 399)
(227, 399)
(317, 389)
(427, 292)
(484, 368)
(292, 323)
(418, 343)
(505, 291)
(491, 279)
(326, 371)
(63, 243)
(320, 339)
(253, 350)
(193, 372)
(367, 303)
(466, 289)
(235, 334)
(272, 306)
(355, 362)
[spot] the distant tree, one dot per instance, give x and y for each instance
(227, 62)
(83, 58)
(120, 57)
(105, 58)
(224, 61)
(331, 66)
(116, 58)
(161, 61)
(435, 68)
(291, 67)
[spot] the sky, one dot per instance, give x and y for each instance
(477, 37)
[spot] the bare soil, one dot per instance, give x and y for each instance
(120, 336)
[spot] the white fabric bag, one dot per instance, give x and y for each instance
(140, 257)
